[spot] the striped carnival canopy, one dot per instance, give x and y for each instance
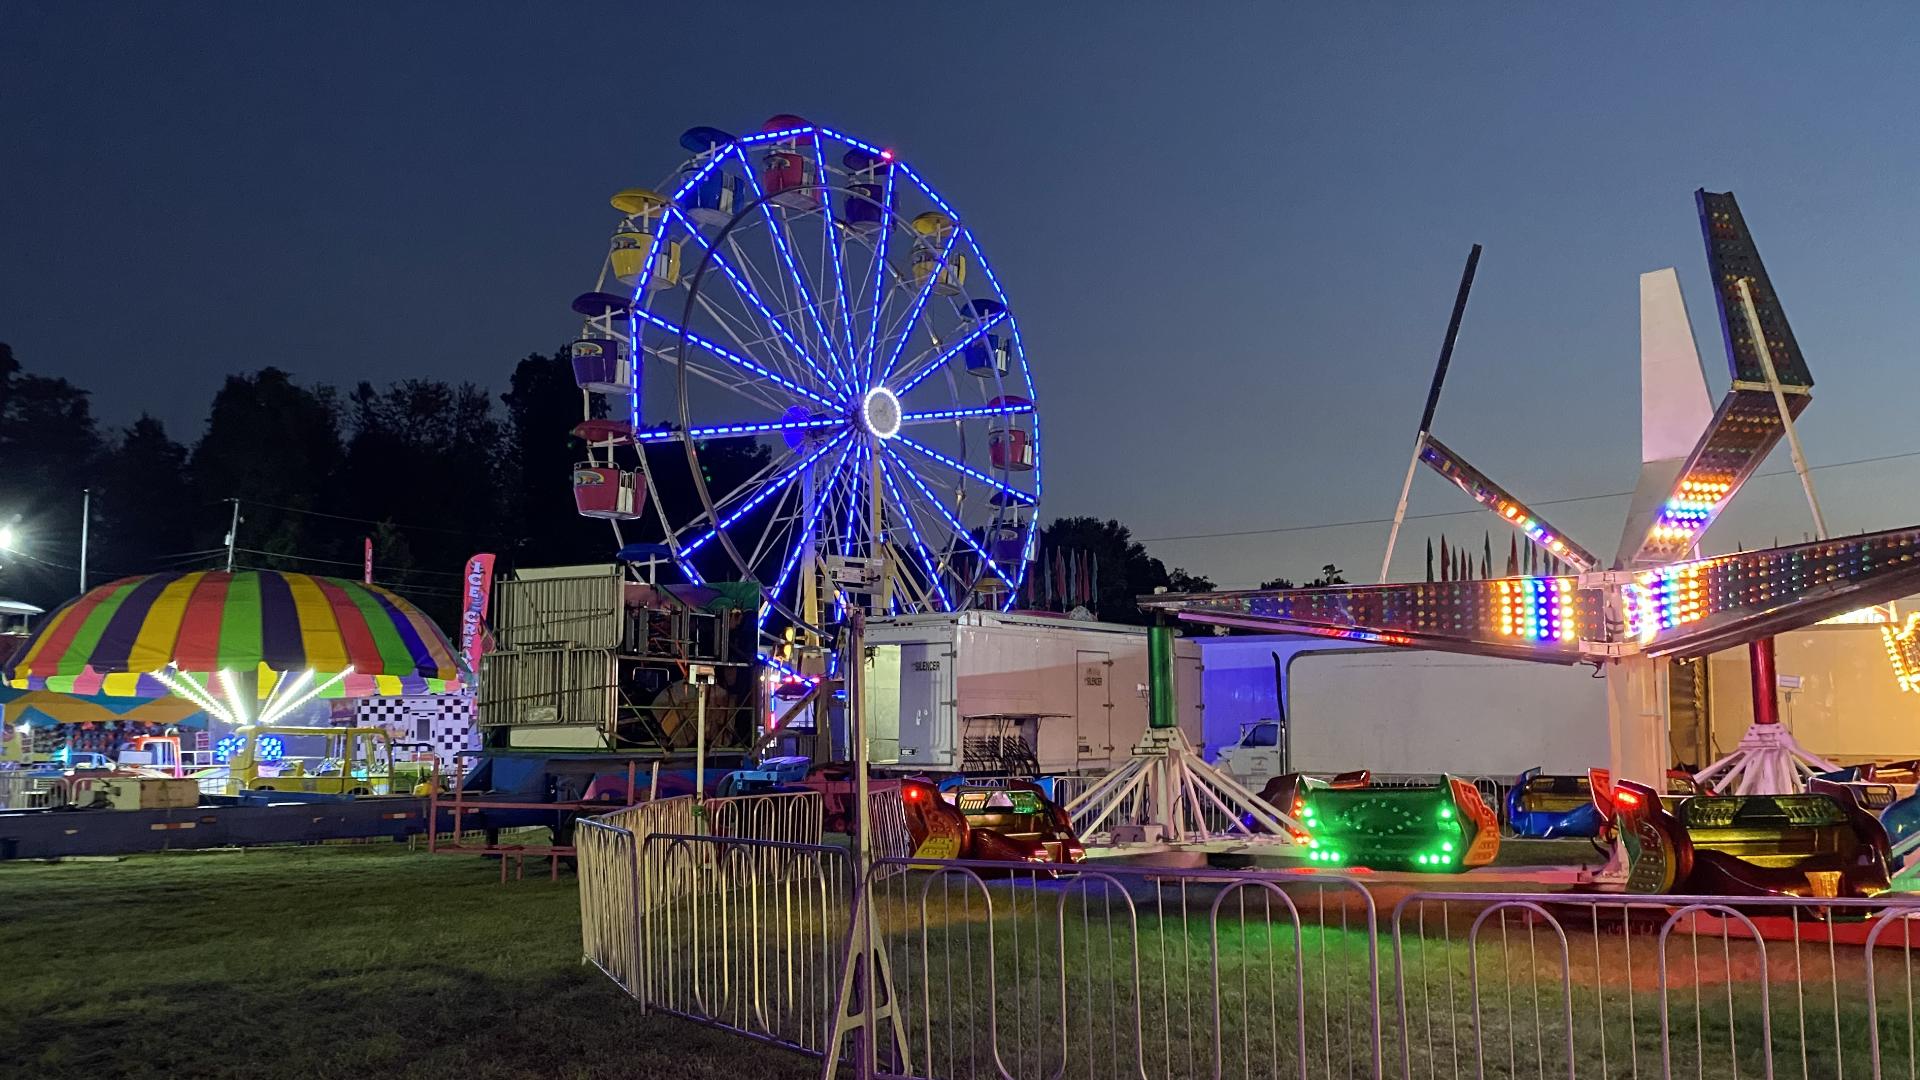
(206, 635)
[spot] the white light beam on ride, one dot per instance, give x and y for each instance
(831, 231)
(881, 270)
(920, 304)
(963, 414)
(777, 231)
(1026, 373)
(926, 556)
(283, 687)
(314, 692)
(747, 293)
(734, 358)
(809, 521)
(734, 430)
(231, 685)
(959, 529)
(943, 459)
(774, 485)
(953, 350)
(183, 686)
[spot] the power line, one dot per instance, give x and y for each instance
(358, 520)
(1481, 510)
(344, 562)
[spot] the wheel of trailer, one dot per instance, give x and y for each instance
(804, 336)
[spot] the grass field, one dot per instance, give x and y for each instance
(365, 961)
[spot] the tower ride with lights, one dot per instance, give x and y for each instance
(1660, 600)
(798, 369)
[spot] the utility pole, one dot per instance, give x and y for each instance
(86, 516)
(233, 533)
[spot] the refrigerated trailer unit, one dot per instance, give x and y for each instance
(984, 692)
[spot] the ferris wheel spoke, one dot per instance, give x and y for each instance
(804, 354)
(830, 239)
(963, 414)
(848, 502)
(966, 470)
(778, 232)
(882, 269)
(928, 563)
(736, 431)
(905, 333)
(804, 542)
(768, 537)
(731, 357)
(772, 487)
(960, 529)
(744, 288)
(742, 490)
(941, 358)
(724, 378)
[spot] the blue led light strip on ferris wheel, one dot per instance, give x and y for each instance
(962, 414)
(943, 459)
(732, 430)
(776, 484)
(734, 358)
(772, 136)
(926, 556)
(700, 174)
(880, 270)
(832, 234)
(747, 293)
(1026, 373)
(778, 232)
(953, 350)
(959, 529)
(920, 304)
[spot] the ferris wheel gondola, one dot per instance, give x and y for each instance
(799, 369)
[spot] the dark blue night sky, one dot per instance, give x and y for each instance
(1231, 231)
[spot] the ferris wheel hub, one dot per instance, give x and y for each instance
(880, 413)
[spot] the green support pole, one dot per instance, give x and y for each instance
(1160, 708)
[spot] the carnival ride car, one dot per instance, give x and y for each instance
(1011, 822)
(1350, 822)
(1823, 843)
(1544, 806)
(319, 760)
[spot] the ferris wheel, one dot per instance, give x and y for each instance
(798, 369)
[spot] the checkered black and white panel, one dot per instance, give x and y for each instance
(443, 720)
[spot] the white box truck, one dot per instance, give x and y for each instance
(983, 692)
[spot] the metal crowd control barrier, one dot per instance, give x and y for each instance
(1001, 969)
(747, 935)
(1560, 985)
(715, 871)
(1022, 970)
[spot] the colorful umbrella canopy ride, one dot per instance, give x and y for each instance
(247, 647)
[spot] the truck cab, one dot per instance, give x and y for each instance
(1259, 755)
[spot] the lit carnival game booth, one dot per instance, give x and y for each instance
(1755, 821)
